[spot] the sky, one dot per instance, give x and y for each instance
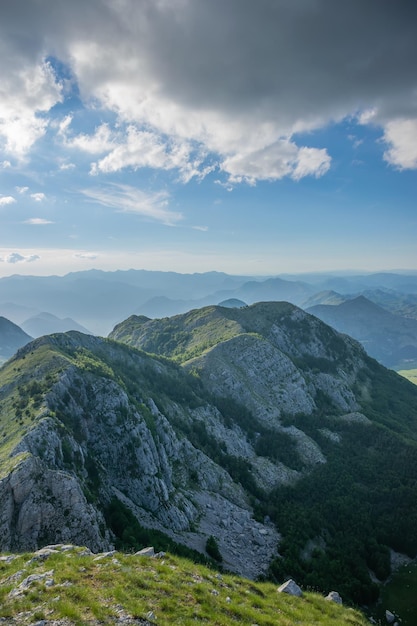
(253, 137)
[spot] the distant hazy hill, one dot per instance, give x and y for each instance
(324, 297)
(46, 324)
(273, 289)
(272, 433)
(389, 338)
(98, 300)
(12, 337)
(233, 303)
(403, 283)
(161, 306)
(249, 292)
(404, 304)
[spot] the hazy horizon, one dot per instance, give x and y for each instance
(282, 275)
(258, 138)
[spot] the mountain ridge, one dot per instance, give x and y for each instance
(98, 300)
(272, 432)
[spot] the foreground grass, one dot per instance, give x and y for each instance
(83, 589)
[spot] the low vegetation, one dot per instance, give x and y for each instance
(87, 589)
(411, 375)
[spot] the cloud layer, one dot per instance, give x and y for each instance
(198, 84)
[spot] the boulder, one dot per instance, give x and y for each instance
(333, 596)
(390, 617)
(291, 588)
(146, 552)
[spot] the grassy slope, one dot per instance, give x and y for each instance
(411, 375)
(89, 591)
(180, 337)
(21, 395)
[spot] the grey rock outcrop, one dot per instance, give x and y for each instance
(40, 504)
(291, 588)
(334, 596)
(90, 437)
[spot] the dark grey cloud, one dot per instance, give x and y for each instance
(215, 71)
(288, 58)
(308, 59)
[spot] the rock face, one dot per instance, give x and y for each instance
(264, 397)
(41, 504)
(93, 440)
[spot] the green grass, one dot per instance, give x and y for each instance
(21, 401)
(181, 337)
(176, 590)
(411, 375)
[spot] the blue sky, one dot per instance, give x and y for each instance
(246, 136)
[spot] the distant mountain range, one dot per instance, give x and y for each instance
(389, 338)
(98, 300)
(12, 337)
(46, 324)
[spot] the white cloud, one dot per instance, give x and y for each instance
(311, 162)
(273, 162)
(133, 147)
(38, 197)
(16, 257)
(126, 199)
(4, 200)
(67, 166)
(101, 141)
(5, 164)
(25, 95)
(401, 137)
(63, 126)
(89, 256)
(37, 221)
(22, 190)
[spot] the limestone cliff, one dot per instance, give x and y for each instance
(270, 432)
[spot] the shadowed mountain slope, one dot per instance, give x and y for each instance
(12, 337)
(389, 338)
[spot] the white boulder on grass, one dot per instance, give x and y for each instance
(291, 588)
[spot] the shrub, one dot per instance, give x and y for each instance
(212, 549)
